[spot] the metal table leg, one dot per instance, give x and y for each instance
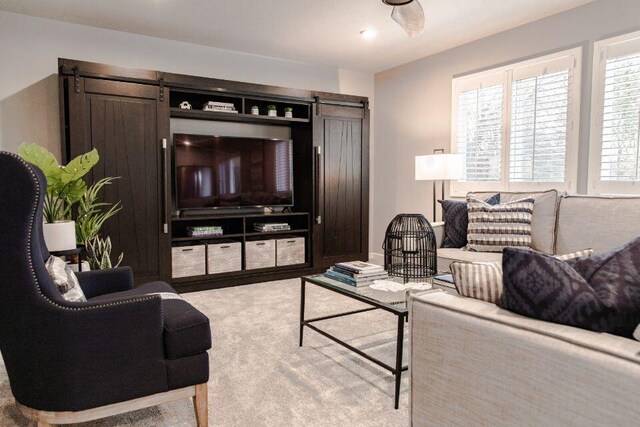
(398, 370)
(302, 298)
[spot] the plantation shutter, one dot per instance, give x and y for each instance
(621, 119)
(479, 133)
(541, 97)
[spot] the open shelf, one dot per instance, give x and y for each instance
(199, 239)
(232, 117)
(275, 233)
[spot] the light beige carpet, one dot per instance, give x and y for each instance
(259, 375)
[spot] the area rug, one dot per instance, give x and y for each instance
(261, 377)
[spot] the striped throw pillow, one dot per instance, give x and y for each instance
(483, 280)
(493, 228)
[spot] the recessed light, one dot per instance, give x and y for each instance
(368, 34)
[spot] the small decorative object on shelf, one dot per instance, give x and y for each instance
(222, 107)
(271, 111)
(410, 248)
(288, 112)
(184, 105)
(255, 110)
(204, 231)
(271, 226)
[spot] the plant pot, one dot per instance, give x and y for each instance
(288, 114)
(255, 111)
(60, 235)
(273, 113)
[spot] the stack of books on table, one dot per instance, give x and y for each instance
(204, 231)
(356, 273)
(265, 227)
(224, 107)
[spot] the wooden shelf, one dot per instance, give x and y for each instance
(270, 233)
(237, 216)
(194, 239)
(232, 117)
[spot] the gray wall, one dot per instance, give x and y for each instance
(413, 101)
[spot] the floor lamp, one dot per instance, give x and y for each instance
(438, 167)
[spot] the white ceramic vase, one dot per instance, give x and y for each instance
(273, 113)
(60, 235)
(288, 114)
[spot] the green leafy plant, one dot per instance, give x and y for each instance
(288, 110)
(65, 185)
(271, 107)
(100, 253)
(92, 214)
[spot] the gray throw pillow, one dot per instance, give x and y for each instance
(456, 221)
(600, 293)
(65, 279)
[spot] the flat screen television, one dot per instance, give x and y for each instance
(232, 172)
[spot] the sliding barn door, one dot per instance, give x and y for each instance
(341, 139)
(120, 120)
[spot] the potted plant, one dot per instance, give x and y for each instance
(271, 111)
(90, 216)
(288, 112)
(255, 110)
(65, 187)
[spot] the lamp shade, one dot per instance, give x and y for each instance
(439, 167)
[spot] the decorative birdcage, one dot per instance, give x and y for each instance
(410, 248)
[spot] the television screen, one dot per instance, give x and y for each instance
(223, 171)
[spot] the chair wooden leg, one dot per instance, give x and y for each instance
(201, 405)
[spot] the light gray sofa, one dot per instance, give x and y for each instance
(472, 363)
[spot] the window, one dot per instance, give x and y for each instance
(615, 116)
(517, 126)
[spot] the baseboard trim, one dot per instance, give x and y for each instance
(376, 258)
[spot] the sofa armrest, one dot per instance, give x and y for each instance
(100, 282)
(438, 228)
(505, 369)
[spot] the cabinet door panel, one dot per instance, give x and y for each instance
(343, 187)
(123, 130)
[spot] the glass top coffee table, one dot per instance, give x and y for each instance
(392, 302)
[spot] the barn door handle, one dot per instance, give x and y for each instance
(165, 180)
(318, 165)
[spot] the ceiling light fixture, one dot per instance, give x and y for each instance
(368, 34)
(396, 2)
(408, 14)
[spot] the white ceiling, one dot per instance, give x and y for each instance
(325, 32)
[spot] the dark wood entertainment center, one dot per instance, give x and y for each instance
(126, 114)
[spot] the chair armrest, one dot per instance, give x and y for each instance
(100, 282)
(529, 372)
(438, 228)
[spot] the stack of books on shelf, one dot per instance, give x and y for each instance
(356, 273)
(204, 231)
(224, 107)
(265, 227)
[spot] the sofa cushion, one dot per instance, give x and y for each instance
(186, 330)
(601, 223)
(543, 221)
(456, 221)
(600, 293)
(455, 254)
(492, 228)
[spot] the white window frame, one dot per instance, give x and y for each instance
(546, 64)
(603, 50)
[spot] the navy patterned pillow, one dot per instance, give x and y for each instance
(600, 293)
(456, 221)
